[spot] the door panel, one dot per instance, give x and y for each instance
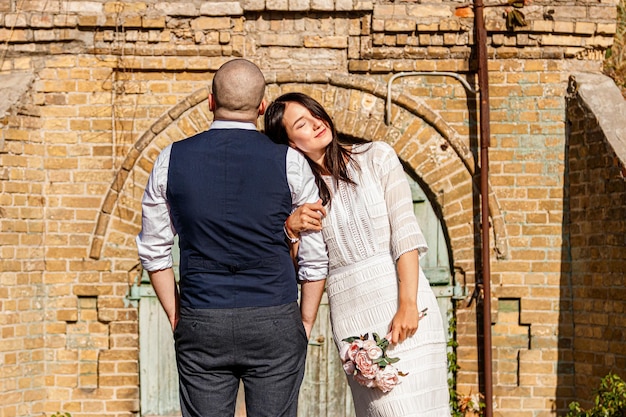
(158, 376)
(325, 391)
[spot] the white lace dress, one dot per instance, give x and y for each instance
(366, 229)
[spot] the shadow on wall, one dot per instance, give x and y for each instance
(592, 328)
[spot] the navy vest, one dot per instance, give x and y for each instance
(229, 197)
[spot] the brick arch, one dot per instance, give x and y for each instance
(176, 124)
(419, 135)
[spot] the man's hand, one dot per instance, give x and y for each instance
(165, 287)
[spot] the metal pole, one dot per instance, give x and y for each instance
(483, 87)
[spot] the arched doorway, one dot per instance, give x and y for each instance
(430, 149)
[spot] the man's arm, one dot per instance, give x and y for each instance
(164, 284)
(310, 297)
(155, 241)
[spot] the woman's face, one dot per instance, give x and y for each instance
(306, 132)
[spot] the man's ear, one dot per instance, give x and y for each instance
(211, 102)
(262, 107)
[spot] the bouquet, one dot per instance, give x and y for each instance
(365, 359)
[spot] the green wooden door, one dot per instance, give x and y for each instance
(324, 392)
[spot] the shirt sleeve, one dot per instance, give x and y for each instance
(312, 253)
(406, 234)
(155, 241)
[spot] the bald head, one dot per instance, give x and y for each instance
(238, 90)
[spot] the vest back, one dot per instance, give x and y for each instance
(228, 195)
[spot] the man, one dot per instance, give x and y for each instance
(226, 193)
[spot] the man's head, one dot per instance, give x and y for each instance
(237, 92)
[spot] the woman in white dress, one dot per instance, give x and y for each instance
(375, 284)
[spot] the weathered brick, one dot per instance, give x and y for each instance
(221, 9)
(585, 28)
(564, 27)
(606, 28)
(211, 23)
(346, 5)
(153, 22)
(253, 5)
(299, 5)
(382, 10)
(176, 9)
(15, 20)
(336, 42)
(325, 5)
(277, 4)
(399, 25)
(428, 12)
(560, 40)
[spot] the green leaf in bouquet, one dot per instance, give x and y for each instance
(383, 344)
(382, 362)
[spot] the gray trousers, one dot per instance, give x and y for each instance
(265, 347)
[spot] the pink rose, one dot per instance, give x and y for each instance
(366, 382)
(343, 352)
(387, 378)
(369, 343)
(365, 364)
(374, 352)
(353, 349)
(349, 367)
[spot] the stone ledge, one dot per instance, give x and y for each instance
(604, 99)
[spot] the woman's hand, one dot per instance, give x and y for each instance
(307, 217)
(404, 323)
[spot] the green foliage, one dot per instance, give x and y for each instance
(452, 368)
(460, 404)
(60, 414)
(610, 400)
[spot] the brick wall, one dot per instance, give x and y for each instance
(109, 84)
(597, 230)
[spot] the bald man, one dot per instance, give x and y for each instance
(226, 193)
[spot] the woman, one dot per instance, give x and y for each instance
(374, 243)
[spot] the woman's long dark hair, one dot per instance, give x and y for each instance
(337, 154)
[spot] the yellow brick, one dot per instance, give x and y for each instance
(211, 23)
(586, 28)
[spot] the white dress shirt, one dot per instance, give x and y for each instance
(155, 241)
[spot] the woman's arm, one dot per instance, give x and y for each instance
(407, 241)
(307, 217)
(406, 320)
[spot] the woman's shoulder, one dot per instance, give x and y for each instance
(378, 146)
(375, 150)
